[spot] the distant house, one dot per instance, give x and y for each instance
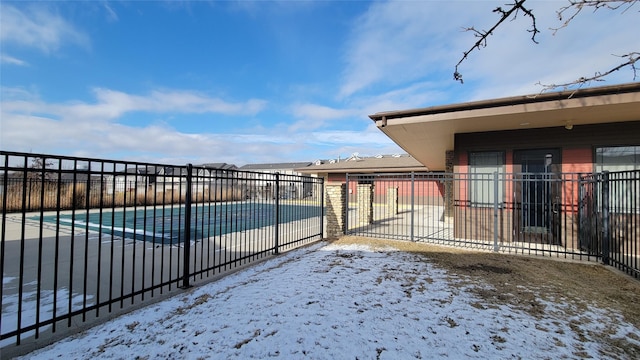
(132, 178)
(289, 168)
(290, 186)
(218, 168)
(209, 179)
(172, 180)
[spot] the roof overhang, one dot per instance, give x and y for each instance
(427, 133)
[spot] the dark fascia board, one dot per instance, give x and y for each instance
(509, 101)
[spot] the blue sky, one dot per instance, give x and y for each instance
(268, 81)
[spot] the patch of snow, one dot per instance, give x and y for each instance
(338, 302)
(30, 306)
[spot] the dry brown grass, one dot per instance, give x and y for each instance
(51, 196)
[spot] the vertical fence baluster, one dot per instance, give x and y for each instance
(606, 236)
(346, 204)
(187, 229)
(496, 248)
(22, 240)
(5, 184)
(322, 213)
(43, 177)
(412, 204)
(100, 221)
(277, 216)
(87, 206)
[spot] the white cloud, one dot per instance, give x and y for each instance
(512, 64)
(113, 104)
(28, 123)
(368, 138)
(10, 60)
(37, 27)
(111, 14)
(399, 41)
(314, 116)
(396, 43)
(157, 143)
(421, 94)
(95, 130)
(319, 112)
(418, 95)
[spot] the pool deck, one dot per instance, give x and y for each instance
(89, 267)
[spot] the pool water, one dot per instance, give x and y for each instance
(166, 224)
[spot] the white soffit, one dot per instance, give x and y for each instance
(428, 136)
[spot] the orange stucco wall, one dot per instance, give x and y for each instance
(574, 161)
(578, 160)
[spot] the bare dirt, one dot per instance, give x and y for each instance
(525, 282)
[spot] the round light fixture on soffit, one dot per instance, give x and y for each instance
(568, 124)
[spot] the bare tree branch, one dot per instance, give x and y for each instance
(482, 35)
(632, 59)
(576, 6)
(41, 164)
(565, 14)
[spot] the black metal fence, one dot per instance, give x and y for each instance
(570, 215)
(610, 217)
(83, 238)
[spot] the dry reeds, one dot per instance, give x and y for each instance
(36, 195)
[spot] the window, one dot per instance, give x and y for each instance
(617, 158)
(624, 196)
(482, 166)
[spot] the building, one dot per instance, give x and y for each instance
(264, 176)
(582, 130)
(540, 146)
(289, 168)
(335, 171)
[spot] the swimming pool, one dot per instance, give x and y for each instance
(166, 224)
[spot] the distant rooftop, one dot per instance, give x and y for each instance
(367, 164)
(220, 166)
(276, 166)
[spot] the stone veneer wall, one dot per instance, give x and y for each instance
(335, 203)
(392, 201)
(448, 184)
(365, 204)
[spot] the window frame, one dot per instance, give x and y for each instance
(619, 203)
(479, 184)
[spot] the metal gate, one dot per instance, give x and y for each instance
(570, 215)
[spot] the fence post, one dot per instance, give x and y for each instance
(581, 210)
(187, 228)
(321, 208)
(277, 225)
(346, 205)
(412, 202)
(606, 236)
(496, 248)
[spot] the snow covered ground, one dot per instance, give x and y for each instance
(342, 302)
